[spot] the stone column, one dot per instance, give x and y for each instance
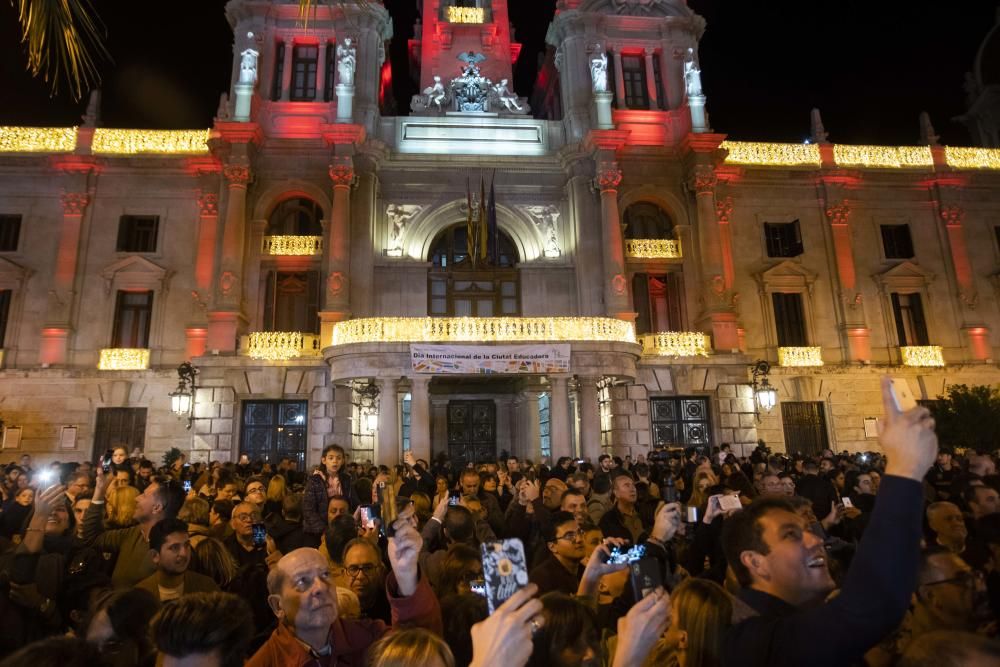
(590, 418)
(362, 257)
(587, 251)
(204, 269)
(226, 313)
(673, 81)
(977, 335)
(559, 426)
(616, 302)
(286, 71)
(723, 210)
(654, 93)
(387, 451)
(721, 319)
(531, 433)
(420, 417)
(856, 332)
(54, 342)
(619, 79)
(337, 298)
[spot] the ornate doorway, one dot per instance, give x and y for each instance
(273, 429)
(472, 432)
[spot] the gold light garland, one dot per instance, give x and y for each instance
(882, 157)
(802, 357)
(653, 248)
(676, 344)
(37, 139)
(293, 245)
(482, 329)
(123, 359)
(150, 142)
(279, 345)
(466, 15)
(972, 158)
(928, 355)
(772, 154)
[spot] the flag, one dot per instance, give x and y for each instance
(491, 220)
(483, 232)
(470, 229)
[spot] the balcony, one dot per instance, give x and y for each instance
(800, 357)
(482, 329)
(653, 249)
(279, 345)
(123, 359)
(474, 15)
(922, 356)
(289, 246)
(676, 344)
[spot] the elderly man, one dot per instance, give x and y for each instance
(552, 494)
(948, 525)
(304, 599)
(471, 487)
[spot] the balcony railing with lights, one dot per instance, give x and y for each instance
(123, 359)
(926, 355)
(279, 345)
(287, 246)
(482, 329)
(653, 249)
(473, 15)
(801, 357)
(676, 344)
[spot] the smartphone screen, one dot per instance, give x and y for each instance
(367, 517)
(505, 570)
(187, 486)
(455, 498)
(645, 576)
(259, 535)
(847, 502)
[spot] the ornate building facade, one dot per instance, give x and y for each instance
(597, 273)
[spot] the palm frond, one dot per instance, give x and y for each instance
(64, 40)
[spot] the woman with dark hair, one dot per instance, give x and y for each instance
(568, 637)
(462, 565)
(328, 480)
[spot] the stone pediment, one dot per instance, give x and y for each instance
(905, 275)
(638, 7)
(786, 275)
(13, 274)
(135, 271)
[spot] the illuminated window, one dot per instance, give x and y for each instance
(291, 301)
(10, 232)
(545, 423)
(133, 313)
(908, 311)
(405, 420)
(659, 302)
(897, 242)
(789, 319)
(783, 239)
(279, 71)
(305, 58)
(457, 288)
(604, 409)
(634, 80)
(137, 233)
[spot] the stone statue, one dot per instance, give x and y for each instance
(347, 61)
(692, 75)
(506, 97)
(248, 67)
(399, 216)
(435, 95)
(472, 90)
(222, 113)
(599, 69)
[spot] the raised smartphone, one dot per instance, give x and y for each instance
(505, 570)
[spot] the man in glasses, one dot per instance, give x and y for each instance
(254, 560)
(561, 571)
(364, 574)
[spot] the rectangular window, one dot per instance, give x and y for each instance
(133, 313)
(331, 72)
(405, 420)
(10, 232)
(896, 241)
(658, 302)
(271, 430)
(291, 301)
(544, 424)
(789, 320)
(5, 296)
(783, 239)
(605, 413)
(634, 78)
(119, 427)
(911, 328)
(680, 422)
(304, 61)
(804, 426)
(279, 71)
(658, 81)
(137, 233)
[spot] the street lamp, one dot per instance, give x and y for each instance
(764, 394)
(182, 398)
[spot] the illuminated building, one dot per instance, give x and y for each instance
(309, 254)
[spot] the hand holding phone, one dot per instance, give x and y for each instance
(259, 535)
(505, 570)
(902, 395)
(730, 503)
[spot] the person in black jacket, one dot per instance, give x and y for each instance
(782, 568)
(329, 480)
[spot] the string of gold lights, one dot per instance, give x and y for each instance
(653, 248)
(37, 139)
(123, 359)
(676, 344)
(482, 329)
(802, 357)
(287, 246)
(157, 142)
(926, 355)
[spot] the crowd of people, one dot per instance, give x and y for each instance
(888, 558)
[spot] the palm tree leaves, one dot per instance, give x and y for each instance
(64, 41)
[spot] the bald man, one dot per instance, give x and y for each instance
(303, 597)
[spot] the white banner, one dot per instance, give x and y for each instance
(489, 359)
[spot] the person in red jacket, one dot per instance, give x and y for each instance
(303, 596)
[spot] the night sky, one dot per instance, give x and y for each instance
(871, 67)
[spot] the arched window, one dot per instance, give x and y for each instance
(645, 220)
(459, 288)
(296, 217)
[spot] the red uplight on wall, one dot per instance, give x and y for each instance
(385, 84)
